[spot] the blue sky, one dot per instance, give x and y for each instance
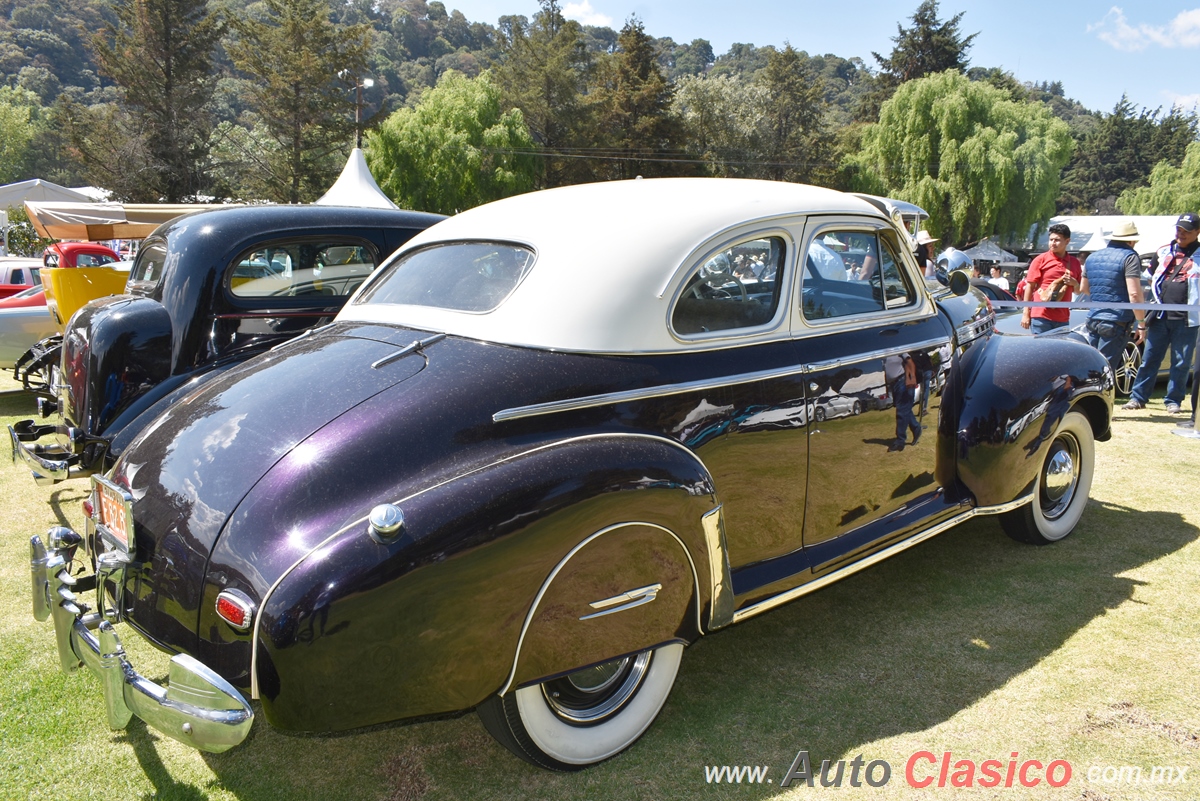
(1148, 50)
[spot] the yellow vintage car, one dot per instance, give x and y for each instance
(76, 272)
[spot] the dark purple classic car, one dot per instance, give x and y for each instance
(208, 290)
(550, 443)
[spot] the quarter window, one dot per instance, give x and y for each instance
(735, 288)
(301, 269)
(850, 272)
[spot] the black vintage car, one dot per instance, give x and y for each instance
(208, 291)
(551, 442)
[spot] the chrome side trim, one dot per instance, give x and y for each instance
(663, 390)
(627, 600)
(878, 556)
(835, 364)
(360, 521)
(720, 613)
(512, 674)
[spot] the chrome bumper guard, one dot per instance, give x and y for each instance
(198, 707)
(49, 464)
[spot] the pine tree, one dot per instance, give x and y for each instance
(633, 110)
(929, 46)
(160, 54)
(544, 71)
(294, 55)
(795, 143)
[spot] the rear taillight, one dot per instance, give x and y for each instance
(235, 609)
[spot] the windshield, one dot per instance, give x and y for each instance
(463, 276)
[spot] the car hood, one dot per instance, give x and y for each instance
(190, 468)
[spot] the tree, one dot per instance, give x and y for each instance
(1120, 154)
(454, 149)
(723, 117)
(632, 104)
(928, 47)
(544, 71)
(978, 161)
(22, 119)
(1172, 190)
(160, 54)
(294, 56)
(795, 143)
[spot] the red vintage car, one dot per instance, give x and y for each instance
(78, 254)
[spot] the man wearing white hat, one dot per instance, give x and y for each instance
(1113, 274)
(924, 253)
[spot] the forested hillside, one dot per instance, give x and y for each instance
(256, 99)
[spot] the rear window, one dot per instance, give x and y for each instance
(464, 276)
(150, 262)
(333, 268)
(93, 259)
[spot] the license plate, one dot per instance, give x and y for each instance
(114, 510)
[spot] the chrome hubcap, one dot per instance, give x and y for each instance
(1060, 476)
(591, 695)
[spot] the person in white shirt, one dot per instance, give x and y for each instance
(999, 280)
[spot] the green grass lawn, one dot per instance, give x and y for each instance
(1085, 651)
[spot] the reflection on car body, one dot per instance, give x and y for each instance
(521, 494)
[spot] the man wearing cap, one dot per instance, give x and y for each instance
(1053, 275)
(1177, 280)
(1113, 274)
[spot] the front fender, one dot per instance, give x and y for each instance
(1015, 391)
(359, 632)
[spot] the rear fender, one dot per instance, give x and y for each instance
(111, 350)
(431, 621)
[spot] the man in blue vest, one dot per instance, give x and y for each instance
(1113, 274)
(1176, 281)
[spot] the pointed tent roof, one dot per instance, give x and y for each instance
(37, 189)
(356, 187)
(987, 250)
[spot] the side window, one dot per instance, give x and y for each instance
(849, 272)
(18, 277)
(735, 288)
(301, 269)
(149, 265)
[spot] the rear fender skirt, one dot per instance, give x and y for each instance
(624, 589)
(429, 622)
(1016, 390)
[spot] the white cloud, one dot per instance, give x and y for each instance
(1185, 102)
(583, 12)
(1182, 32)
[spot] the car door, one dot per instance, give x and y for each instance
(875, 353)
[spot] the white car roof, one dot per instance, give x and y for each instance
(609, 257)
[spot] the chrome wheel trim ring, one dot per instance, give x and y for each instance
(1060, 476)
(610, 694)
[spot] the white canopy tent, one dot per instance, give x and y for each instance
(356, 187)
(104, 221)
(14, 195)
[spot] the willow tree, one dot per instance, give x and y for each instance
(980, 162)
(1172, 190)
(455, 149)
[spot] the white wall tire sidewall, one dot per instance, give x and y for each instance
(1054, 530)
(584, 745)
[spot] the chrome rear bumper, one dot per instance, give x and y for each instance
(49, 463)
(198, 707)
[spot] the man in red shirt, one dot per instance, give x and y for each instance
(1054, 276)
